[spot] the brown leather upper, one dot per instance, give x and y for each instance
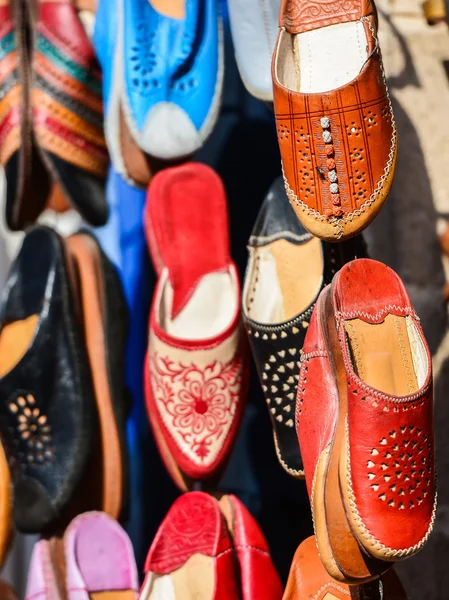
(308, 579)
(298, 16)
(361, 151)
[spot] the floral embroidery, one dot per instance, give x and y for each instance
(197, 405)
(33, 428)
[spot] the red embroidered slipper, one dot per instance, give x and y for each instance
(191, 555)
(258, 575)
(365, 423)
(196, 370)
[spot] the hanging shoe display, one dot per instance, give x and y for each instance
(364, 416)
(287, 270)
(120, 412)
(196, 369)
(335, 124)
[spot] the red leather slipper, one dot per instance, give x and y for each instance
(191, 555)
(196, 370)
(258, 575)
(365, 423)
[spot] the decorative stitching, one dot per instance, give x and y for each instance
(405, 361)
(356, 314)
(331, 585)
(315, 354)
(388, 552)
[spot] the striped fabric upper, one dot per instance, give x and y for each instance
(67, 100)
(10, 88)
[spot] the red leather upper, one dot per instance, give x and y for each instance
(391, 439)
(317, 398)
(369, 290)
(186, 221)
(195, 525)
(258, 574)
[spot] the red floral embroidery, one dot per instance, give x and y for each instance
(197, 404)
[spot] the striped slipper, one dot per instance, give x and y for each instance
(18, 155)
(67, 107)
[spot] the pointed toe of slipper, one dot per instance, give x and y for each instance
(33, 510)
(169, 132)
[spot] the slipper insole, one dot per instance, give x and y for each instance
(15, 339)
(195, 580)
(175, 9)
(209, 311)
(382, 355)
(286, 280)
(323, 59)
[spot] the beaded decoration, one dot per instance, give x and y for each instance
(332, 176)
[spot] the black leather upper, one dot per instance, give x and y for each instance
(276, 346)
(50, 387)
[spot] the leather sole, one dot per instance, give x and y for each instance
(342, 556)
(84, 250)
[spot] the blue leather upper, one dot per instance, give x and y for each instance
(193, 85)
(170, 60)
(104, 36)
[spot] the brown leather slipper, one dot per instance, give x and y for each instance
(309, 579)
(105, 329)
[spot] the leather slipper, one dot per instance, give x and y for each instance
(258, 576)
(287, 269)
(196, 370)
(191, 555)
(309, 579)
(27, 181)
(47, 408)
(105, 319)
(93, 560)
(335, 123)
(67, 107)
(365, 423)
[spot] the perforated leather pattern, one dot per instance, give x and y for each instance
(144, 60)
(363, 136)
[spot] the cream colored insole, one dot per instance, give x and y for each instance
(15, 339)
(286, 280)
(209, 312)
(175, 9)
(195, 580)
(329, 57)
(382, 355)
(116, 595)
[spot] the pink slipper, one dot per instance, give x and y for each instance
(99, 557)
